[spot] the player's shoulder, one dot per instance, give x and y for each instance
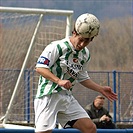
(59, 42)
(86, 54)
(54, 44)
(86, 50)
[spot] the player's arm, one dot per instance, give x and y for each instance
(45, 61)
(105, 90)
(92, 85)
(46, 73)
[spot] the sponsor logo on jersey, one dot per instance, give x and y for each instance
(43, 60)
(72, 73)
(73, 69)
(75, 60)
(77, 67)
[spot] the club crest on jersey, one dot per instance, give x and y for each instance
(75, 60)
(43, 60)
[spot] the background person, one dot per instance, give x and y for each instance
(100, 115)
(60, 65)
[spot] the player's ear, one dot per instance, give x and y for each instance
(74, 32)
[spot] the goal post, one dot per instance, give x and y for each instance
(24, 33)
(22, 69)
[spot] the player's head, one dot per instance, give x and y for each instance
(87, 25)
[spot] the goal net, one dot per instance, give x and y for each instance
(24, 33)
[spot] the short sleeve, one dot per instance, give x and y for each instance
(83, 75)
(48, 56)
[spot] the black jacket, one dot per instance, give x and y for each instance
(96, 114)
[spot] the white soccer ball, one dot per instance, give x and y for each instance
(87, 25)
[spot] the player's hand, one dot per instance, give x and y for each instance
(65, 83)
(107, 92)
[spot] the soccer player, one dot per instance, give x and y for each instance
(62, 63)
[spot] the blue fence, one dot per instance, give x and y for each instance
(2, 130)
(121, 82)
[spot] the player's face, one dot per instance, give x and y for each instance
(80, 42)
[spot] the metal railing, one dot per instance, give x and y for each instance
(121, 82)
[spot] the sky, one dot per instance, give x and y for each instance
(101, 8)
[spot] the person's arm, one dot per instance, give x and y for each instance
(104, 90)
(48, 57)
(96, 120)
(45, 72)
(92, 115)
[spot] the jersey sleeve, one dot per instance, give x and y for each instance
(83, 76)
(48, 56)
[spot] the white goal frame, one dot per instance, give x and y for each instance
(42, 12)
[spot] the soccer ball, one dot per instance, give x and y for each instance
(87, 25)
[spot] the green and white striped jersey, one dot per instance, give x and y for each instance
(65, 62)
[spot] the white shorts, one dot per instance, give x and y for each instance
(61, 107)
